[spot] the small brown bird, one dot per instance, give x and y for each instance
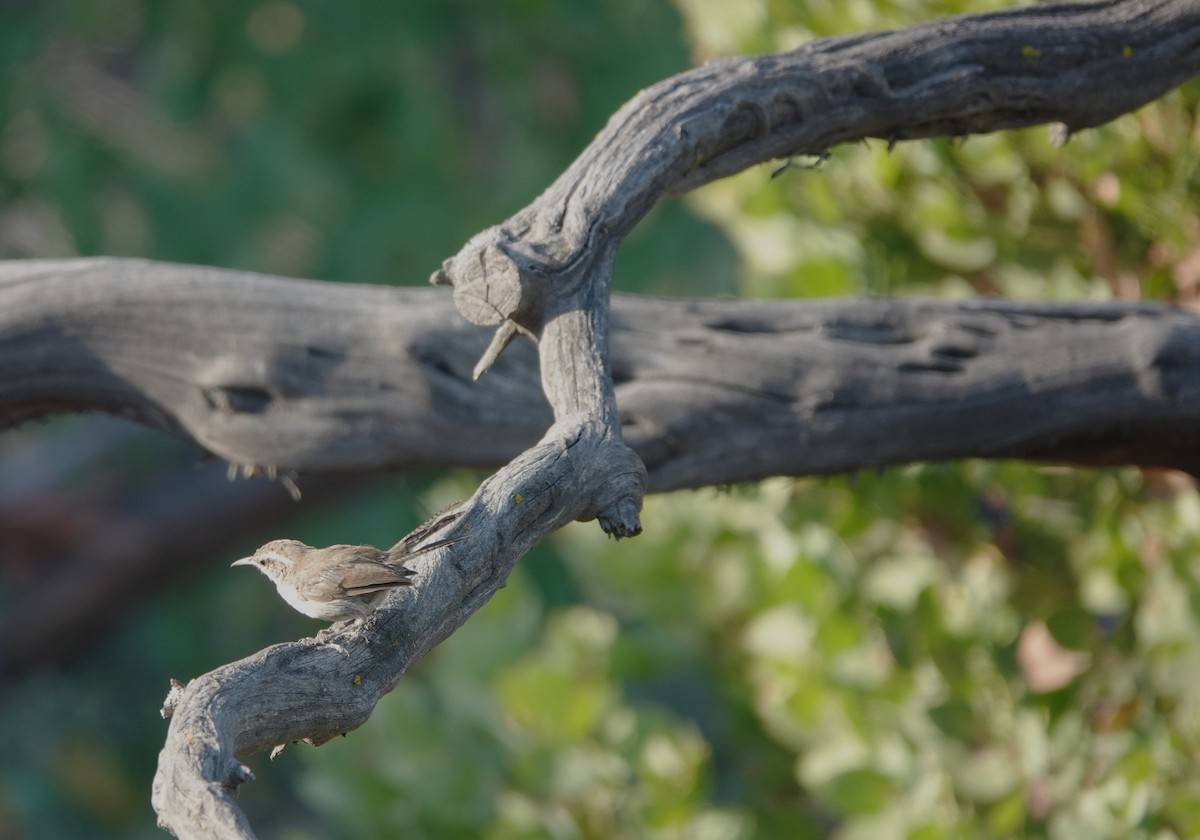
(342, 582)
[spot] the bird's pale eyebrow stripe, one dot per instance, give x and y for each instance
(275, 555)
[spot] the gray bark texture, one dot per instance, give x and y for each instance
(294, 375)
(285, 374)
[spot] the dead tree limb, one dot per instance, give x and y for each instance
(1071, 65)
(284, 374)
(546, 272)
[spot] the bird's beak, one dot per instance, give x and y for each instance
(245, 561)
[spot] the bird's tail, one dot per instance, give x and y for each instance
(410, 544)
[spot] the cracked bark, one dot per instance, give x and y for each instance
(709, 391)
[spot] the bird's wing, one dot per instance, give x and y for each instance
(354, 570)
(362, 577)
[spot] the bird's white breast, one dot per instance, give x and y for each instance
(324, 610)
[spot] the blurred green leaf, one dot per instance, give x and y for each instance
(1073, 627)
(859, 792)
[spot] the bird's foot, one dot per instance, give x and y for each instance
(323, 636)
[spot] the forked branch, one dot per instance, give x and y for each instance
(547, 270)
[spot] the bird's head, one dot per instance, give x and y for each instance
(275, 558)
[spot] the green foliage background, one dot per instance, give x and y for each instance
(973, 650)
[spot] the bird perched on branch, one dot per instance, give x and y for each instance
(344, 582)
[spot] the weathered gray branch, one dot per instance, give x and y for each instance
(313, 692)
(318, 377)
(724, 391)
(1077, 65)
